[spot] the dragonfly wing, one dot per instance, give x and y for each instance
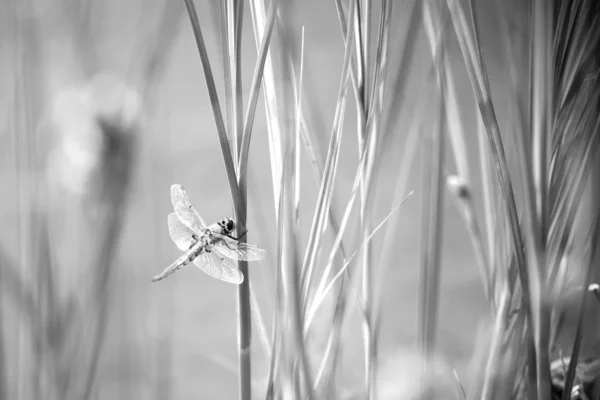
(219, 268)
(184, 210)
(235, 250)
(180, 234)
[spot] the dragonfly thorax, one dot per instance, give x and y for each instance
(199, 247)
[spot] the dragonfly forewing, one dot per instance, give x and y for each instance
(219, 268)
(185, 211)
(183, 237)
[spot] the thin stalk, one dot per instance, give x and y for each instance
(366, 9)
(244, 313)
(488, 205)
(226, 56)
(297, 136)
(238, 105)
(432, 214)
(541, 126)
(235, 14)
(278, 312)
(258, 11)
(360, 63)
(357, 67)
(496, 347)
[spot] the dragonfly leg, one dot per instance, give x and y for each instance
(195, 240)
(227, 245)
(239, 237)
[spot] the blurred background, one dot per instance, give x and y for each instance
(77, 303)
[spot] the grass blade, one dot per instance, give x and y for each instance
(255, 87)
(214, 100)
(432, 214)
(258, 11)
(541, 126)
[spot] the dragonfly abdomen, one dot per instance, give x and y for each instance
(189, 256)
(194, 252)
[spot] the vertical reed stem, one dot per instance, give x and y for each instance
(541, 126)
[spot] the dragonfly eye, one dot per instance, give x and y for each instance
(230, 225)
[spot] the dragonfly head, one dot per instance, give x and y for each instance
(227, 224)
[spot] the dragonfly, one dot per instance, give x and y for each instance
(211, 248)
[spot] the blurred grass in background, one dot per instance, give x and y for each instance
(487, 110)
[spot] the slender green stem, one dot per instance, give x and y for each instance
(541, 126)
(431, 245)
(496, 347)
(238, 105)
(487, 181)
(259, 19)
(226, 57)
(244, 312)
